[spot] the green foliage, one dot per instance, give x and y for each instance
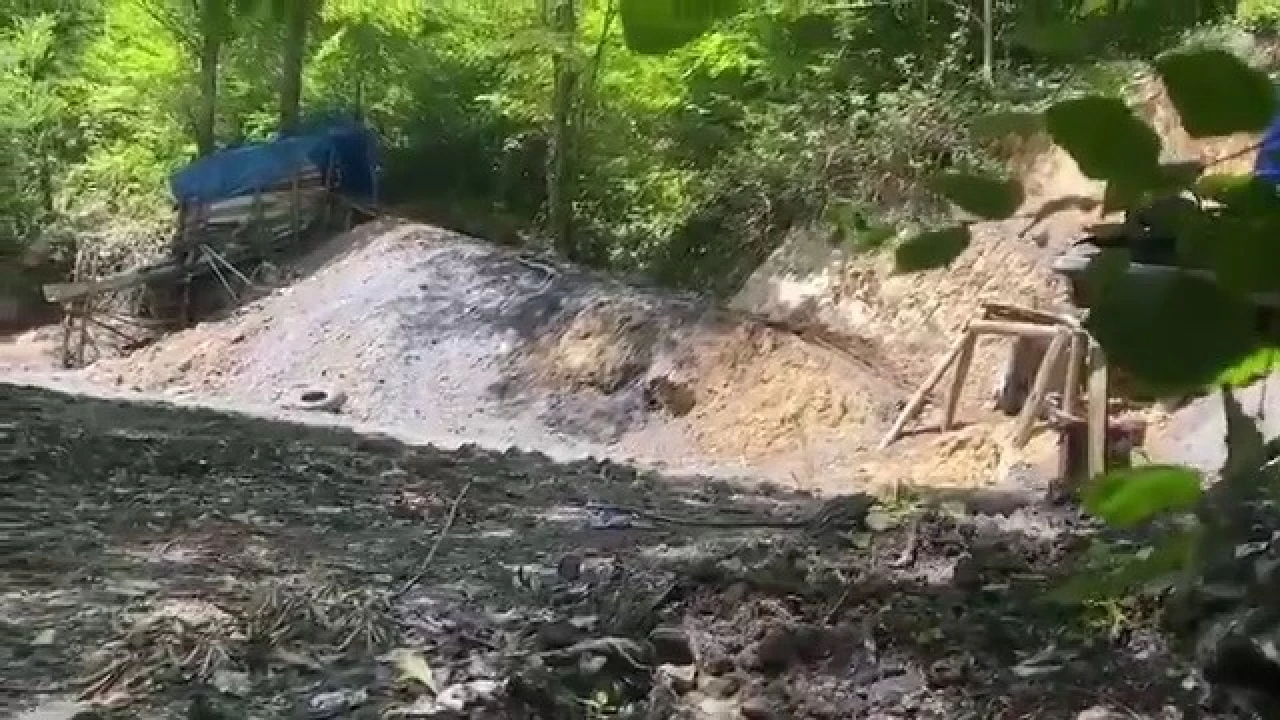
(1216, 93)
(1126, 498)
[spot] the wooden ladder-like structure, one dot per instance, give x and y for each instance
(1067, 341)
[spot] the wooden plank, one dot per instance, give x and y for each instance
(916, 401)
(963, 361)
(1018, 313)
(1017, 329)
(1097, 410)
(1075, 363)
(1035, 400)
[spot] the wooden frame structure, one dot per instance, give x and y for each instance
(1069, 347)
(210, 241)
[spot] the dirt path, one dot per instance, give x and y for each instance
(163, 559)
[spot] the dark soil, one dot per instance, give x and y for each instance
(167, 562)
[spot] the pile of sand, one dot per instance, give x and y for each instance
(443, 337)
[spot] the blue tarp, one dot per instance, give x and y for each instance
(1267, 166)
(234, 172)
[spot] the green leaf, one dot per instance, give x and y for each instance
(1000, 125)
(932, 249)
(1217, 93)
(1105, 138)
(1129, 497)
(657, 27)
(985, 197)
(1174, 331)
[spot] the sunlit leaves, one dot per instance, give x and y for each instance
(656, 27)
(1174, 330)
(1132, 496)
(931, 249)
(1216, 93)
(1254, 366)
(986, 197)
(1105, 138)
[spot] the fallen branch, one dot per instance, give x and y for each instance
(435, 547)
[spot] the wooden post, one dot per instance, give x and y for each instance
(1035, 399)
(1075, 362)
(1097, 409)
(963, 361)
(917, 400)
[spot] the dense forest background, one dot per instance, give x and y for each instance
(520, 119)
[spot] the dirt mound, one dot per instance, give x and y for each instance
(444, 337)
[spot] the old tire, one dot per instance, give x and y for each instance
(319, 400)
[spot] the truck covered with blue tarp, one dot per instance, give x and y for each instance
(344, 153)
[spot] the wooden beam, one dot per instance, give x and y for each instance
(63, 292)
(963, 361)
(916, 401)
(1035, 399)
(1097, 410)
(1017, 329)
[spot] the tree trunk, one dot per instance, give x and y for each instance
(210, 54)
(295, 46)
(560, 146)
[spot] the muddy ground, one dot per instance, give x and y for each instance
(167, 562)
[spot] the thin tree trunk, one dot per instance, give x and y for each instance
(560, 150)
(988, 43)
(295, 44)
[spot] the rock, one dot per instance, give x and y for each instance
(570, 567)
(949, 671)
(461, 696)
(229, 682)
(556, 635)
(782, 645)
(681, 678)
(716, 662)
(1099, 712)
(720, 688)
(44, 638)
(967, 574)
(759, 708)
(672, 645)
(896, 690)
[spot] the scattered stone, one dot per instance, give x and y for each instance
(44, 638)
(671, 644)
(721, 688)
(681, 678)
(759, 708)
